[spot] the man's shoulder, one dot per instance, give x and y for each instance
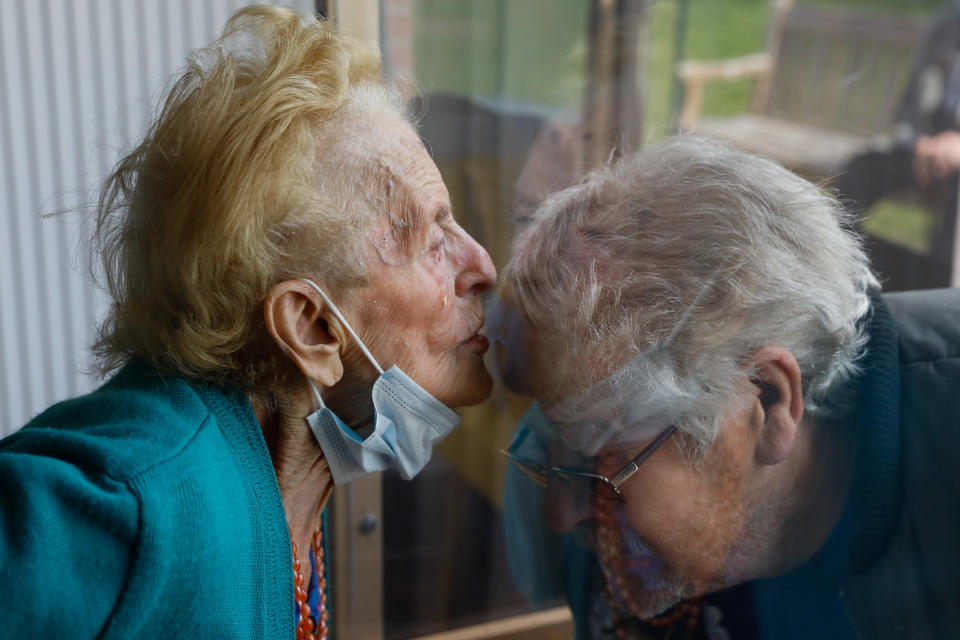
(915, 576)
(928, 324)
(928, 328)
(136, 420)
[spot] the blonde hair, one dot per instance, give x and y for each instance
(238, 185)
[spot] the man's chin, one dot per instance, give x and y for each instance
(652, 586)
(648, 603)
(651, 590)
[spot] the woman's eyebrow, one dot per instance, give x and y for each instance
(443, 214)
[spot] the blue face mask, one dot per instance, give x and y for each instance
(408, 422)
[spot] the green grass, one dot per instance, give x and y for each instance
(715, 29)
(530, 51)
(913, 7)
(535, 51)
(727, 28)
(900, 223)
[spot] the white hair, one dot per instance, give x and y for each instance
(756, 255)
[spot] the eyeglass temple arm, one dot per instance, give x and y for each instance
(634, 464)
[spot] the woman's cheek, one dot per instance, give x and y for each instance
(441, 275)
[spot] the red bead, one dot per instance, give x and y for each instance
(306, 624)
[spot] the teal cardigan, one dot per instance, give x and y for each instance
(148, 508)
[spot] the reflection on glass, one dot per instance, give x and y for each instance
(521, 100)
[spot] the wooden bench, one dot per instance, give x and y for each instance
(828, 82)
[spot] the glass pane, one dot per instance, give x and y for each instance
(520, 100)
(489, 76)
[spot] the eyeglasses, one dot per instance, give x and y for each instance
(588, 483)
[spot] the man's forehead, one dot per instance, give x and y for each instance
(563, 365)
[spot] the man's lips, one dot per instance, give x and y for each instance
(476, 342)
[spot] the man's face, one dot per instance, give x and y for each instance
(681, 530)
(422, 310)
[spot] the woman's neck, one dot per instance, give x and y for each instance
(302, 471)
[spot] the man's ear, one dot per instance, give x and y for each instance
(778, 407)
(305, 329)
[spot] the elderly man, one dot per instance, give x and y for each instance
(724, 397)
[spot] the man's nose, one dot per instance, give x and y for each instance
(476, 273)
(564, 509)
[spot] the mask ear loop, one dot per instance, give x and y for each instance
(353, 334)
(346, 324)
(316, 394)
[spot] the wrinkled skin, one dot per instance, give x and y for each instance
(422, 309)
(680, 532)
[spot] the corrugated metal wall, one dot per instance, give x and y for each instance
(79, 80)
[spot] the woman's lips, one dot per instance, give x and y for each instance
(478, 344)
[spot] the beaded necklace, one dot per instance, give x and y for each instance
(306, 628)
(613, 564)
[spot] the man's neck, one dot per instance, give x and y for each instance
(807, 497)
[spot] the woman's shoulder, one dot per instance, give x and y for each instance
(141, 487)
(135, 421)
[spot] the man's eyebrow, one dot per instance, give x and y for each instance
(443, 214)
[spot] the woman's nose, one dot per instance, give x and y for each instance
(477, 273)
(564, 509)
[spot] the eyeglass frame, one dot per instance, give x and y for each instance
(614, 483)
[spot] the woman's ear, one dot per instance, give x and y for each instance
(305, 329)
(778, 407)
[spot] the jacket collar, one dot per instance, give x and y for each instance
(874, 503)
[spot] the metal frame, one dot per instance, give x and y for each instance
(357, 572)
(357, 510)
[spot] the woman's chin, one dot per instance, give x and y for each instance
(469, 387)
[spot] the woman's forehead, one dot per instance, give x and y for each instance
(405, 196)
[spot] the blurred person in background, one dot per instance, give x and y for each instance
(293, 307)
(725, 397)
(924, 153)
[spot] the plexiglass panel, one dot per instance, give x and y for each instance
(519, 100)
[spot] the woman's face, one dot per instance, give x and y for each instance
(422, 310)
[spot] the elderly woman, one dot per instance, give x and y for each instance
(294, 306)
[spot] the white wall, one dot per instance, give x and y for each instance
(79, 80)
